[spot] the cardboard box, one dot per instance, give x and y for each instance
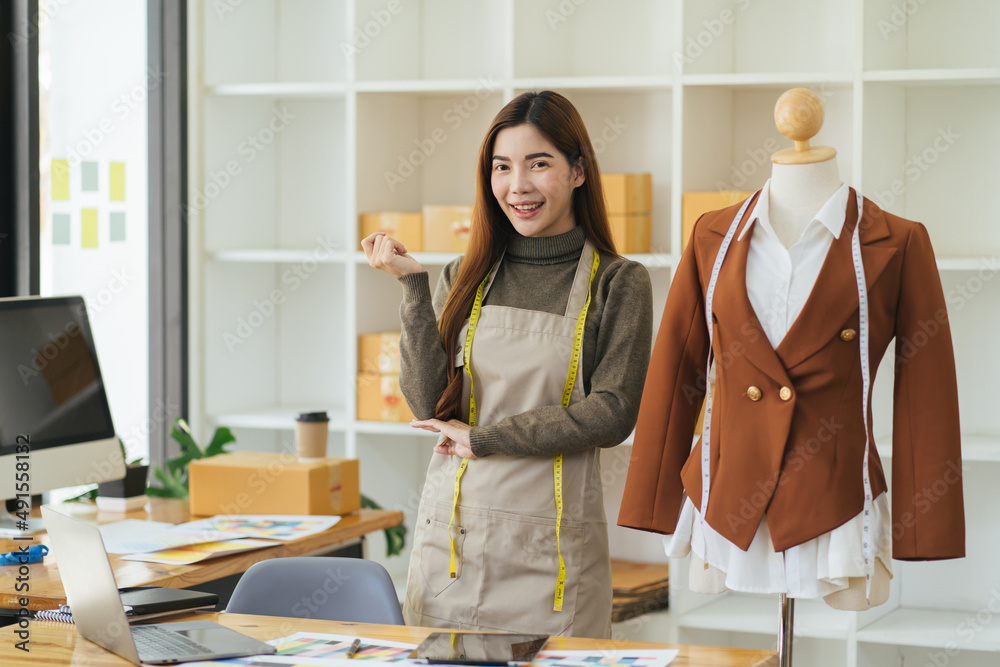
(628, 194)
(407, 228)
(379, 399)
(695, 204)
(378, 353)
(446, 228)
(257, 483)
(632, 233)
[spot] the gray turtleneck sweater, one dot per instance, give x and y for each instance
(537, 274)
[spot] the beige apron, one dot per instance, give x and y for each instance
(504, 529)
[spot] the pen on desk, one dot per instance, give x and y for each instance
(355, 645)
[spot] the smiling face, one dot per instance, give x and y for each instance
(533, 182)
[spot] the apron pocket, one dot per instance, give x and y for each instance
(521, 566)
(435, 555)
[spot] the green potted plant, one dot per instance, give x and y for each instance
(174, 479)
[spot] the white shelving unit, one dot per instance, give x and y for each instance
(305, 113)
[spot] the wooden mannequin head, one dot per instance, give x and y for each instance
(799, 116)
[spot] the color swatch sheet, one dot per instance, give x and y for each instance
(310, 649)
(195, 553)
(616, 658)
(314, 649)
(262, 526)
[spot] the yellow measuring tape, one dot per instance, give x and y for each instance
(557, 466)
(574, 366)
(477, 308)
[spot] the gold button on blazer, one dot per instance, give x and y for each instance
(796, 453)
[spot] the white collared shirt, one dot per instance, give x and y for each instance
(779, 280)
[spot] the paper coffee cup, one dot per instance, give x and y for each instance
(311, 429)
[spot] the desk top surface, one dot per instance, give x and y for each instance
(46, 590)
(54, 643)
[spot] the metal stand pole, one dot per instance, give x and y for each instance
(786, 615)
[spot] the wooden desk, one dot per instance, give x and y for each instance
(46, 586)
(58, 643)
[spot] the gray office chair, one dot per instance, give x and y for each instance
(331, 589)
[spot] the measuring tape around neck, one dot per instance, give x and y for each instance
(867, 539)
(706, 429)
(863, 341)
(557, 466)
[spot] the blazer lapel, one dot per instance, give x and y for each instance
(734, 314)
(834, 297)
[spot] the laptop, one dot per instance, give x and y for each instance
(100, 617)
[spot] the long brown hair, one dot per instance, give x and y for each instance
(559, 122)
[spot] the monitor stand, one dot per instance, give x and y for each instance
(11, 526)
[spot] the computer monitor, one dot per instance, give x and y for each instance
(52, 399)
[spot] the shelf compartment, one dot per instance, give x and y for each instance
(930, 35)
(740, 158)
(273, 336)
(267, 162)
(934, 629)
(759, 615)
(439, 39)
(277, 40)
(420, 149)
(723, 36)
(559, 39)
(936, 139)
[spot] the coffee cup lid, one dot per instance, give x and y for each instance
(312, 417)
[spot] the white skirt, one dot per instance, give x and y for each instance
(813, 569)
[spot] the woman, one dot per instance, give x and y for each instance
(511, 533)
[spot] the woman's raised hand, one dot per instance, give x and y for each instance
(386, 254)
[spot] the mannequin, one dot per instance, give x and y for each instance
(775, 495)
(803, 179)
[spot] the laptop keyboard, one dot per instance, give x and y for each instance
(152, 640)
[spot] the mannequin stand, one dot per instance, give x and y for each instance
(786, 616)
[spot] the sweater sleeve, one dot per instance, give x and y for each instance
(606, 416)
(423, 368)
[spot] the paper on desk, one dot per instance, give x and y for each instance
(165, 536)
(606, 658)
(264, 526)
(195, 553)
(322, 650)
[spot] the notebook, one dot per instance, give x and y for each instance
(145, 602)
(100, 617)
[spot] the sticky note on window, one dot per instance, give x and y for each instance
(60, 229)
(117, 181)
(60, 180)
(88, 221)
(88, 176)
(117, 226)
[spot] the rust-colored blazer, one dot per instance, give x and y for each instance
(795, 453)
